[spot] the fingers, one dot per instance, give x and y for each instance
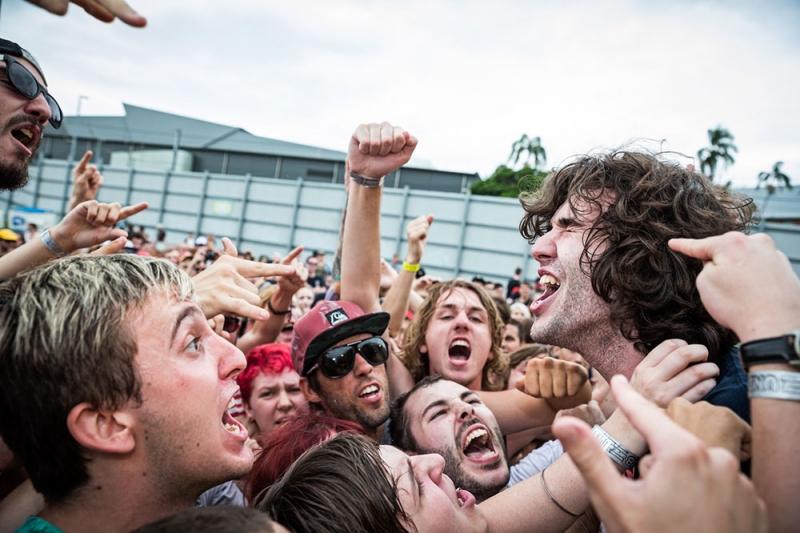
(699, 391)
(229, 248)
(112, 247)
(660, 352)
(601, 476)
(251, 269)
(291, 256)
(81, 167)
(124, 12)
(702, 249)
(656, 427)
(131, 210)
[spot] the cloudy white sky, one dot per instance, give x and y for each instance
(468, 77)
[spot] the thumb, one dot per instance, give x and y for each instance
(601, 476)
(112, 247)
(229, 248)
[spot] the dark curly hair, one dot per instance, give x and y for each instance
(644, 201)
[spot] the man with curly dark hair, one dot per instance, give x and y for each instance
(614, 289)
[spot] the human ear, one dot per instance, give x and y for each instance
(102, 430)
(308, 392)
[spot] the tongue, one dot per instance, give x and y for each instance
(459, 352)
(477, 448)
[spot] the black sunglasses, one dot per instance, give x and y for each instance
(26, 84)
(338, 362)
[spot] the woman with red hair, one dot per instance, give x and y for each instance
(283, 446)
(270, 388)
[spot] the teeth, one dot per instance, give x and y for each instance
(474, 435)
(28, 133)
(369, 390)
(547, 279)
(231, 404)
(460, 343)
(460, 501)
(233, 428)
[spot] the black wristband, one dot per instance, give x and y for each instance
(275, 311)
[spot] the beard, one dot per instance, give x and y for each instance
(480, 489)
(13, 177)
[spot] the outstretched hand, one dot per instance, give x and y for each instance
(102, 10)
(91, 223)
(684, 486)
(223, 287)
(731, 262)
(379, 149)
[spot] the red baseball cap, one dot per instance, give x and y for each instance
(327, 324)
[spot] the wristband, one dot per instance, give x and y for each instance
(52, 245)
(774, 385)
(275, 311)
(618, 453)
(547, 491)
(408, 267)
(364, 181)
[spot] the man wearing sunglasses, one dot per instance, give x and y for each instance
(337, 346)
(341, 357)
(25, 107)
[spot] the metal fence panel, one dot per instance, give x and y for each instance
(472, 235)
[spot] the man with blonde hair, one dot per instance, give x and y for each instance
(114, 392)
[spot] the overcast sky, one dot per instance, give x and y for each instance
(467, 77)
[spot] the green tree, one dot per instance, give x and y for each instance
(509, 183)
(721, 145)
(777, 176)
(532, 146)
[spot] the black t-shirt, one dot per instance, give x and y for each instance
(315, 281)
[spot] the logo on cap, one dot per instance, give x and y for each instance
(336, 316)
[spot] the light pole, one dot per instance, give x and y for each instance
(72, 154)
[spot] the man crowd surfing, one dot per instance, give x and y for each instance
(642, 388)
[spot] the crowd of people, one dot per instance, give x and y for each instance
(637, 386)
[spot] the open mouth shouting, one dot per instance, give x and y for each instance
(459, 351)
(28, 135)
(551, 286)
(370, 393)
(232, 425)
(477, 445)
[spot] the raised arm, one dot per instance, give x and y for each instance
(375, 150)
(88, 224)
(397, 298)
(731, 263)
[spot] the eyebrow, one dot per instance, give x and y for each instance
(453, 307)
(434, 405)
(190, 311)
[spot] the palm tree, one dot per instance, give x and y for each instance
(530, 145)
(776, 176)
(721, 146)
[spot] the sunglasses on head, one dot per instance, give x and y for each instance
(337, 362)
(21, 79)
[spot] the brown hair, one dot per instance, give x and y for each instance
(342, 485)
(417, 363)
(644, 201)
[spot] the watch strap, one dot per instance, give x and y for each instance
(783, 349)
